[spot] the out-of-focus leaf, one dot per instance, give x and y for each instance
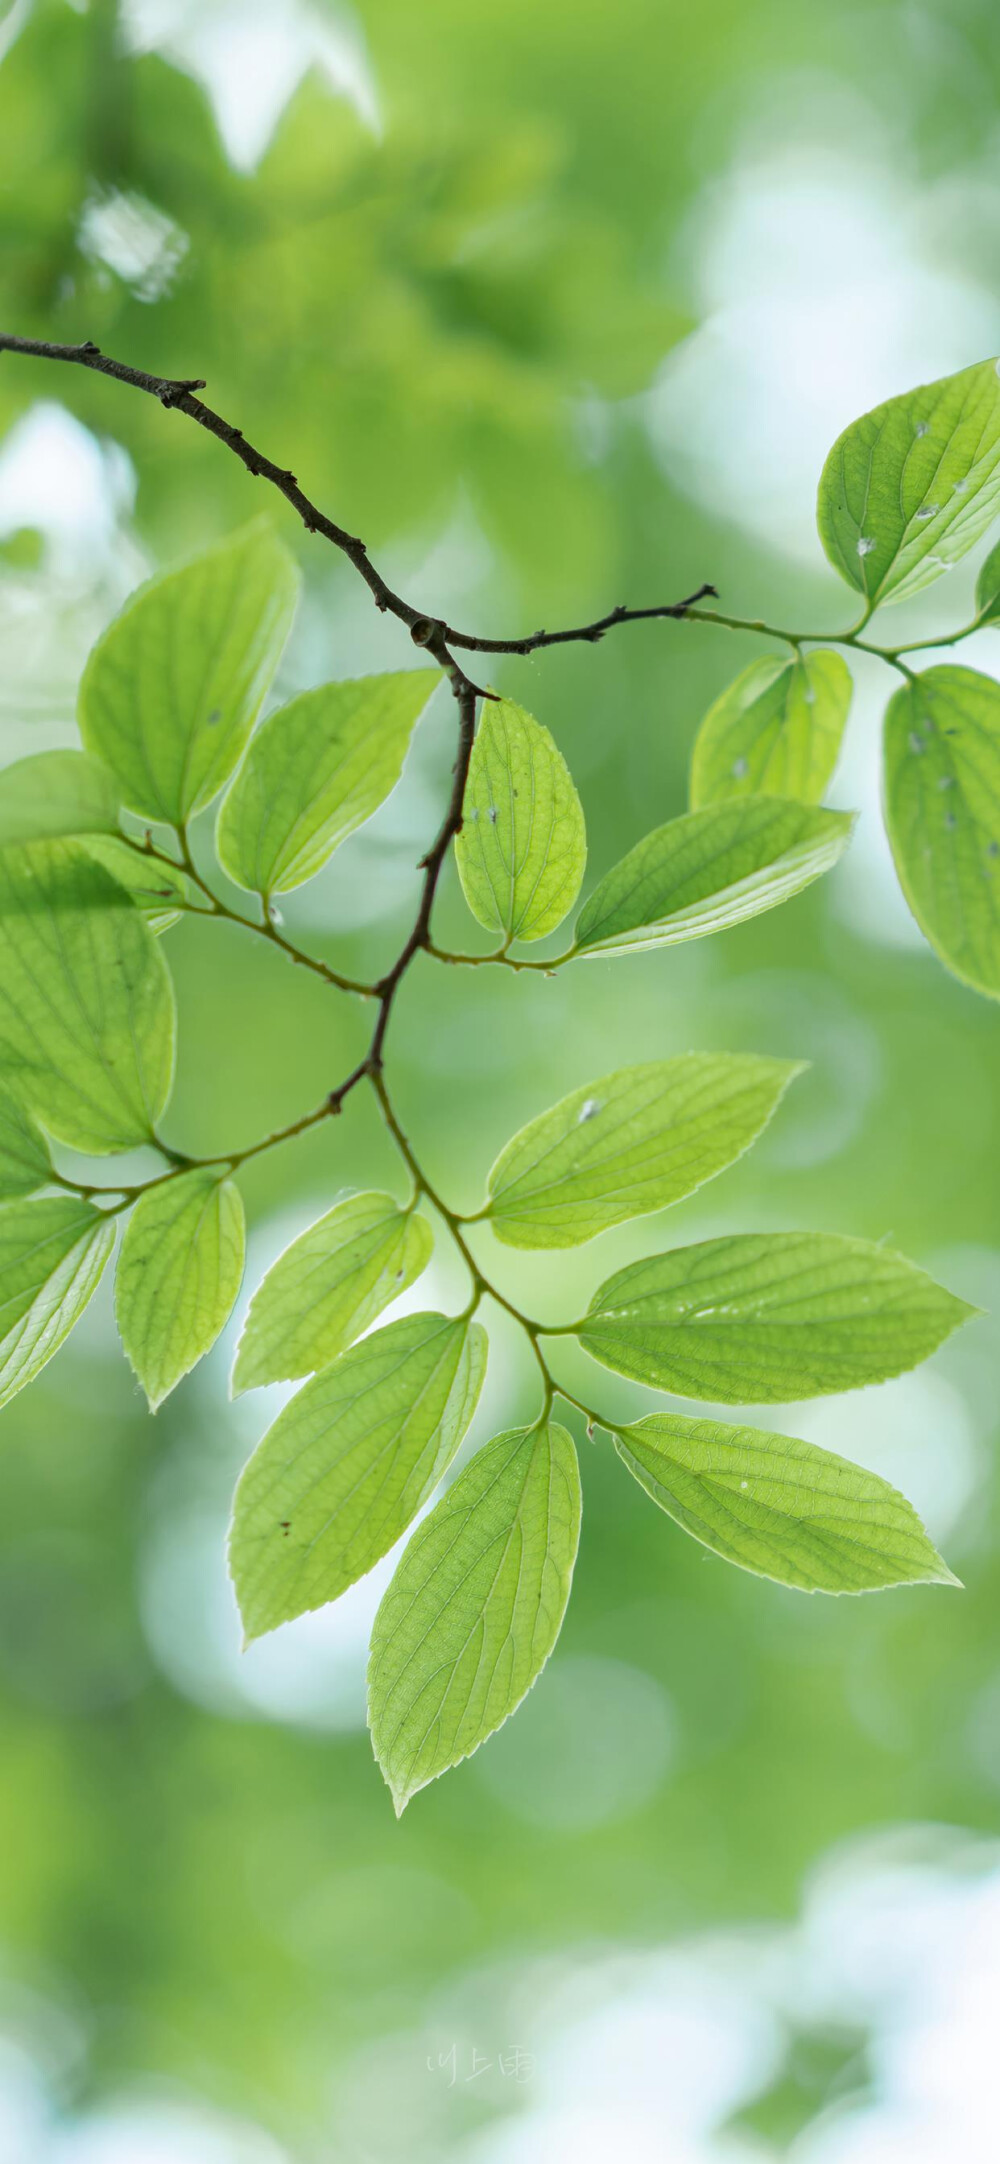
(54, 793)
(475, 1607)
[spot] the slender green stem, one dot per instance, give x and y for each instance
(849, 638)
(218, 908)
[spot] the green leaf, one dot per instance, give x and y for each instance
(86, 1003)
(172, 689)
(767, 1316)
(781, 1507)
(632, 1142)
(475, 1607)
(775, 732)
(522, 847)
(25, 1165)
(328, 1286)
(51, 1256)
(942, 807)
(349, 1462)
(159, 890)
(178, 1276)
(912, 485)
(708, 870)
(316, 770)
(56, 793)
(988, 588)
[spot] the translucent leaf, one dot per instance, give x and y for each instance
(942, 808)
(781, 1507)
(632, 1142)
(912, 485)
(86, 1003)
(708, 870)
(172, 689)
(159, 890)
(522, 847)
(988, 588)
(52, 1253)
(25, 1165)
(768, 1316)
(349, 1462)
(178, 1275)
(316, 770)
(475, 1607)
(328, 1287)
(775, 732)
(56, 793)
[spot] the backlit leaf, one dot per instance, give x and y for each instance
(942, 806)
(52, 1253)
(775, 732)
(781, 1507)
(315, 770)
(912, 485)
(522, 848)
(328, 1286)
(55, 793)
(475, 1607)
(25, 1165)
(766, 1316)
(159, 890)
(172, 689)
(178, 1276)
(348, 1464)
(86, 1003)
(634, 1141)
(708, 870)
(988, 588)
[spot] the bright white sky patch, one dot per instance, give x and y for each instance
(251, 55)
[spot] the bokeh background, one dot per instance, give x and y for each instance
(558, 306)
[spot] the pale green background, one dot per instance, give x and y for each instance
(558, 306)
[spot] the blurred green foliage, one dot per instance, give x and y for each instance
(445, 329)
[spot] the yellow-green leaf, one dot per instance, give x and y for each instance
(475, 1607)
(172, 689)
(178, 1276)
(708, 870)
(86, 1003)
(912, 485)
(52, 1253)
(776, 731)
(768, 1316)
(314, 772)
(631, 1142)
(349, 1462)
(328, 1287)
(942, 808)
(781, 1507)
(522, 847)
